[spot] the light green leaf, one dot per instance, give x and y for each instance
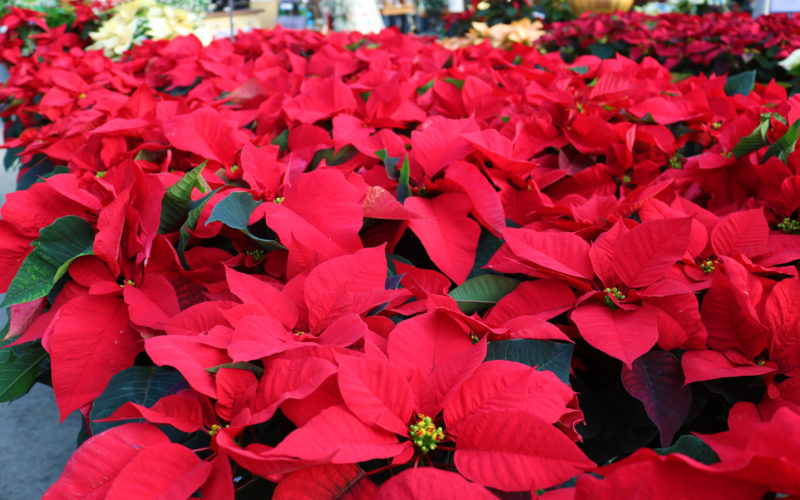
(482, 292)
(784, 146)
(175, 203)
(755, 139)
(63, 241)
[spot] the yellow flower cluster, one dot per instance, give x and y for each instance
(136, 20)
(523, 31)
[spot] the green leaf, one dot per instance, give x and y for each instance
(741, 83)
(175, 204)
(481, 292)
(543, 354)
(488, 245)
(403, 188)
(281, 140)
(784, 146)
(456, 82)
(242, 365)
(355, 45)
(425, 88)
(63, 241)
(692, 447)
(581, 70)
(143, 385)
(18, 373)
(389, 162)
(755, 139)
(602, 50)
(234, 211)
(332, 159)
(195, 209)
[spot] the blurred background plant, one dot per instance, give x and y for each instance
(695, 7)
(492, 12)
(503, 35)
(130, 23)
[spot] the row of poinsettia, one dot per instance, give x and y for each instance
(256, 243)
(722, 42)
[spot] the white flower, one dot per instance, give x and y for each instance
(792, 61)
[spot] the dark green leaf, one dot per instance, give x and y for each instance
(742, 83)
(11, 160)
(234, 211)
(63, 241)
(754, 140)
(333, 159)
(281, 140)
(692, 447)
(403, 188)
(784, 146)
(602, 50)
(195, 208)
(389, 162)
(488, 244)
(18, 373)
(581, 70)
(481, 292)
(175, 203)
(543, 354)
(143, 385)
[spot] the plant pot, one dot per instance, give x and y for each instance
(601, 6)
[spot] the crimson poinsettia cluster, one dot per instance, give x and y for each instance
(730, 41)
(369, 267)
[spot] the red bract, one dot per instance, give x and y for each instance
(369, 267)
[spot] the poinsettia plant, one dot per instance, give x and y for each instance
(370, 267)
(716, 42)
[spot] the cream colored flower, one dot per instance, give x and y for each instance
(791, 62)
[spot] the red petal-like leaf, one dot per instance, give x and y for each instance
(562, 252)
(621, 334)
(645, 253)
(655, 380)
(252, 290)
(516, 450)
(90, 470)
(745, 231)
(506, 385)
(647, 476)
(711, 365)
(541, 298)
(289, 379)
(182, 411)
(206, 133)
(427, 483)
(324, 482)
(375, 392)
(91, 341)
(338, 434)
(425, 342)
(448, 235)
(166, 471)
